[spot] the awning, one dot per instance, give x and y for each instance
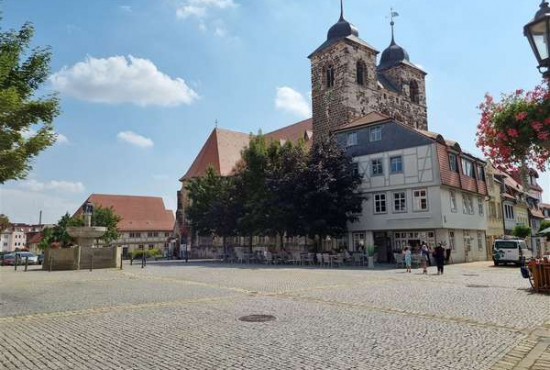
(544, 232)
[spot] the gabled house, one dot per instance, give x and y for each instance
(419, 187)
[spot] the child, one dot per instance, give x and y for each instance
(408, 259)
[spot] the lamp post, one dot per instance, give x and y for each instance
(538, 33)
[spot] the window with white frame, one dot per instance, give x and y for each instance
(380, 203)
(480, 206)
(467, 241)
(352, 138)
(467, 204)
(396, 164)
(509, 212)
(453, 164)
(480, 240)
(377, 167)
(420, 200)
(453, 201)
(468, 168)
(452, 240)
(376, 133)
(400, 202)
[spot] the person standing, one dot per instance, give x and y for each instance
(425, 258)
(439, 256)
(429, 252)
(408, 259)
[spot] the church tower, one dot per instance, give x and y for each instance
(346, 82)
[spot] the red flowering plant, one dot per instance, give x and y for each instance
(515, 132)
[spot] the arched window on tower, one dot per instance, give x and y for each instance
(415, 92)
(330, 77)
(361, 73)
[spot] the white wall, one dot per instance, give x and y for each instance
(459, 220)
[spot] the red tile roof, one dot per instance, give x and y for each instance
(222, 150)
(138, 213)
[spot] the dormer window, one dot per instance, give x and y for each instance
(361, 73)
(352, 138)
(376, 134)
(468, 168)
(330, 77)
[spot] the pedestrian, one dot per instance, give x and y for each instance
(439, 256)
(425, 253)
(408, 259)
(424, 244)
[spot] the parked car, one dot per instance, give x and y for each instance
(9, 259)
(511, 251)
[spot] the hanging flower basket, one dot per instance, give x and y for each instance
(515, 132)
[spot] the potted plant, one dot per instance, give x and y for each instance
(370, 251)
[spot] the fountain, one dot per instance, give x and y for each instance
(85, 235)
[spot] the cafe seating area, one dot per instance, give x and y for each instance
(322, 260)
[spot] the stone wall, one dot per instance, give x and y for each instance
(81, 258)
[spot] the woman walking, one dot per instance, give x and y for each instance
(439, 256)
(408, 259)
(425, 258)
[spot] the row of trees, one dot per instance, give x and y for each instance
(278, 190)
(103, 217)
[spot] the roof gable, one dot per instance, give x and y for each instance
(138, 213)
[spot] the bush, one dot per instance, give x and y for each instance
(149, 253)
(521, 231)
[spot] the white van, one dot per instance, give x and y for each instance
(510, 251)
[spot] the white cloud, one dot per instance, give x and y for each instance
(135, 139)
(200, 8)
(220, 32)
(61, 139)
(290, 100)
(60, 186)
(118, 80)
(125, 8)
(24, 206)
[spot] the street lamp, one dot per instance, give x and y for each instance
(538, 34)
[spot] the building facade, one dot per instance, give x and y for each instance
(418, 188)
(145, 222)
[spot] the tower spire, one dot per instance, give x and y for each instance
(393, 14)
(341, 10)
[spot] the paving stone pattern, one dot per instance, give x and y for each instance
(176, 316)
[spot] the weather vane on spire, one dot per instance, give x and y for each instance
(393, 15)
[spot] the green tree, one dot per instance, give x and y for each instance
(521, 231)
(545, 224)
(250, 178)
(47, 238)
(106, 217)
(4, 222)
(285, 170)
(22, 73)
(329, 191)
(213, 208)
(59, 233)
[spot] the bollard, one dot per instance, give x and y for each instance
(26, 262)
(143, 259)
(92, 264)
(121, 261)
(51, 263)
(131, 261)
(15, 262)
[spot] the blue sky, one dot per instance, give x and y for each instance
(174, 67)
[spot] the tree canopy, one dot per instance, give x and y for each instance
(4, 222)
(26, 121)
(278, 190)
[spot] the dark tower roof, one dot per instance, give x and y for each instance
(342, 30)
(394, 54)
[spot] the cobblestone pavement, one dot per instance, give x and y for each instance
(177, 316)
